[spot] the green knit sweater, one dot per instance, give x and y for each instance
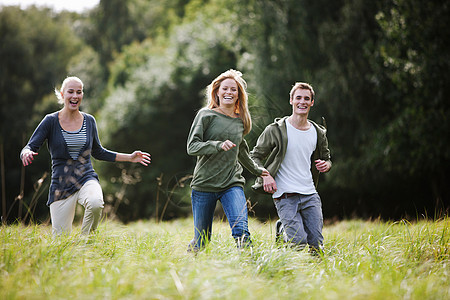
(217, 170)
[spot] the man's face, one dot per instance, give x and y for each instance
(301, 102)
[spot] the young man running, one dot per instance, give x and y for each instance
(295, 151)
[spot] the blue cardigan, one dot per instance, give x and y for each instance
(68, 175)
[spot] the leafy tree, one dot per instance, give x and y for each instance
(414, 52)
(34, 54)
(379, 69)
(388, 113)
(154, 107)
(117, 23)
(375, 68)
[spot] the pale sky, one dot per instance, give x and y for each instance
(58, 5)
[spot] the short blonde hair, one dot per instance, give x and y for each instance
(302, 86)
(241, 106)
(63, 86)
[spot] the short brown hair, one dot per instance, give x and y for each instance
(302, 86)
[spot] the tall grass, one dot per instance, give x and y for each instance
(148, 260)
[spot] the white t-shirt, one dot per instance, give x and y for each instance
(294, 175)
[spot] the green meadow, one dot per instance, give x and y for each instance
(148, 260)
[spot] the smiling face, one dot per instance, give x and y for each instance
(301, 102)
(72, 95)
(228, 92)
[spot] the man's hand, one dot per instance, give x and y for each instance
(322, 165)
(269, 184)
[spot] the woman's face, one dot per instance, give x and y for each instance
(72, 95)
(228, 92)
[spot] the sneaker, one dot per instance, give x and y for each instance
(316, 251)
(243, 242)
(192, 248)
(279, 231)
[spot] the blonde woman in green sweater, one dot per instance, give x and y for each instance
(217, 140)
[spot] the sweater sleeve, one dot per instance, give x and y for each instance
(98, 152)
(262, 148)
(247, 161)
(40, 134)
(196, 145)
(324, 150)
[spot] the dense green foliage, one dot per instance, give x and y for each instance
(148, 260)
(379, 69)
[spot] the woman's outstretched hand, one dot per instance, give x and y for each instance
(28, 156)
(140, 157)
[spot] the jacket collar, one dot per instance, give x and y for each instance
(282, 123)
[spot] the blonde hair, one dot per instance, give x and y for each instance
(302, 86)
(63, 86)
(241, 105)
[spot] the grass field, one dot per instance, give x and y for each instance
(147, 260)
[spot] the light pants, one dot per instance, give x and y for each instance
(62, 212)
(301, 216)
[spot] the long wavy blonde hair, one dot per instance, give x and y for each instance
(241, 105)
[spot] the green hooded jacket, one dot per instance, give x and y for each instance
(271, 148)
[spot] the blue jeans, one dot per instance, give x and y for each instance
(301, 216)
(235, 207)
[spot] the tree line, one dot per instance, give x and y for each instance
(379, 69)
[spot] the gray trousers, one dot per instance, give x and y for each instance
(302, 219)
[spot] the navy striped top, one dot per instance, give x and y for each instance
(75, 140)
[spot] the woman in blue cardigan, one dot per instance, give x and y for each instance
(72, 138)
